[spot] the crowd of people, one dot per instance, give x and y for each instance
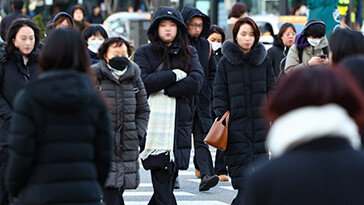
(80, 109)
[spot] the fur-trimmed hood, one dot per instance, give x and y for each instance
(305, 124)
(236, 56)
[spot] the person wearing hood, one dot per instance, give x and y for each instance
(94, 36)
(18, 66)
(282, 42)
(60, 140)
(78, 14)
(243, 79)
(314, 141)
(120, 83)
(310, 48)
(172, 75)
(61, 20)
(198, 24)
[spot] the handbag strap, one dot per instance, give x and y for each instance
(225, 116)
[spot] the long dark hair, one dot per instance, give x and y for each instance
(64, 49)
(161, 48)
(14, 29)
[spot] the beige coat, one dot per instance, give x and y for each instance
(293, 62)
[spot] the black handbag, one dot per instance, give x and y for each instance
(155, 162)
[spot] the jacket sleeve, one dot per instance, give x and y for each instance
(22, 144)
(271, 78)
(102, 143)
(258, 189)
(6, 110)
(190, 85)
(212, 70)
(153, 81)
(292, 60)
(221, 102)
(143, 110)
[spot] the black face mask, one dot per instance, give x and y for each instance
(119, 63)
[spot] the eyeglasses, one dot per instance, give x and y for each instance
(194, 26)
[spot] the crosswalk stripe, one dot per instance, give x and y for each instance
(180, 202)
(150, 193)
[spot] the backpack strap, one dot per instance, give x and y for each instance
(300, 54)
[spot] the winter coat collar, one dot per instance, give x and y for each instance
(189, 12)
(236, 56)
(163, 13)
(301, 42)
(277, 43)
(306, 124)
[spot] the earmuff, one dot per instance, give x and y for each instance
(304, 32)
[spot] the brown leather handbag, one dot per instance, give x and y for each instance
(218, 134)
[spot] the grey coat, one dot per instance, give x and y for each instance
(130, 115)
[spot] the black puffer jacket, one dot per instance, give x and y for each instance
(130, 114)
(208, 63)
(276, 54)
(183, 90)
(13, 77)
(241, 85)
(60, 141)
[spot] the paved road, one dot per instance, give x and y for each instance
(222, 194)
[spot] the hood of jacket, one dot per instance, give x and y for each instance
(305, 124)
(65, 15)
(301, 42)
(163, 13)
(236, 56)
(189, 12)
(63, 90)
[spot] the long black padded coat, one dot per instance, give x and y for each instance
(130, 115)
(60, 141)
(241, 85)
(183, 91)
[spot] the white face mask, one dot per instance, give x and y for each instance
(94, 45)
(314, 41)
(215, 45)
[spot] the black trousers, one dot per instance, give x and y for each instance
(113, 196)
(163, 182)
(202, 159)
(220, 165)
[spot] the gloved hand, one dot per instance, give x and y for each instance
(180, 74)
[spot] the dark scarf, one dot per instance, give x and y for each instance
(81, 25)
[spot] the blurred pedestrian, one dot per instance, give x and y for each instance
(18, 66)
(96, 17)
(314, 141)
(120, 82)
(61, 20)
(94, 35)
(239, 10)
(172, 76)
(216, 36)
(78, 14)
(243, 79)
(310, 48)
(17, 6)
(198, 25)
(282, 42)
(345, 42)
(60, 139)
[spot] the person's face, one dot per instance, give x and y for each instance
(95, 37)
(64, 24)
(97, 10)
(195, 26)
(78, 15)
(288, 37)
(167, 31)
(113, 51)
(215, 38)
(245, 37)
(25, 40)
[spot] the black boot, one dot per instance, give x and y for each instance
(176, 184)
(207, 182)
